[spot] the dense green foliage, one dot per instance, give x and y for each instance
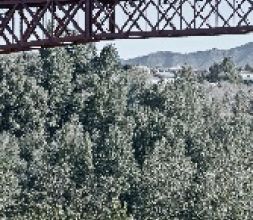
(84, 138)
(224, 70)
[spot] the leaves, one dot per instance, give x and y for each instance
(84, 138)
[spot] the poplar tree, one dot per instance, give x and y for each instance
(10, 165)
(23, 103)
(167, 176)
(57, 77)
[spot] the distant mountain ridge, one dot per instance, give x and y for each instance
(241, 55)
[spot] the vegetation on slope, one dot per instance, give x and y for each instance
(202, 60)
(81, 138)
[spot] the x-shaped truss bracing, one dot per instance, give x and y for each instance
(32, 24)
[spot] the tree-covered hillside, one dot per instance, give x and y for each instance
(202, 60)
(83, 138)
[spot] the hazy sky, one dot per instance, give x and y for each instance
(133, 48)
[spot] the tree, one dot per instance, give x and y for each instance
(23, 103)
(230, 70)
(225, 184)
(106, 91)
(167, 176)
(57, 77)
(248, 68)
(10, 164)
(214, 72)
(224, 70)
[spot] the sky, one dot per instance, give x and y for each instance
(133, 48)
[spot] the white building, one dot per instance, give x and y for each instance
(153, 80)
(165, 74)
(246, 76)
(145, 69)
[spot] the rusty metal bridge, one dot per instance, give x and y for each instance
(33, 24)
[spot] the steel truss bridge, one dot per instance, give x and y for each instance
(33, 24)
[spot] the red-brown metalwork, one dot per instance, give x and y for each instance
(32, 24)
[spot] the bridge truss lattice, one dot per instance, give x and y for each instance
(32, 24)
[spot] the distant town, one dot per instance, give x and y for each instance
(168, 74)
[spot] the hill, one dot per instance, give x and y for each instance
(241, 55)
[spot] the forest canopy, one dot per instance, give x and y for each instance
(81, 137)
